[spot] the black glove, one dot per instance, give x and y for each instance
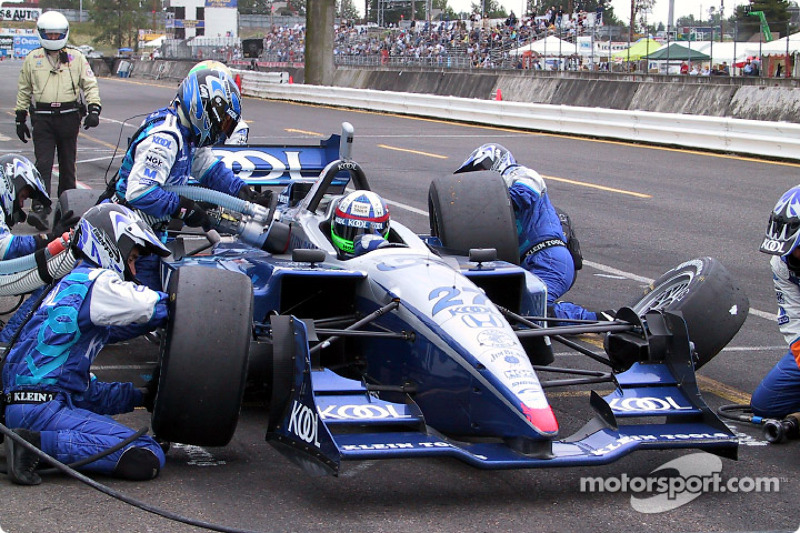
(93, 118)
(22, 128)
(249, 195)
(64, 224)
(150, 390)
(192, 214)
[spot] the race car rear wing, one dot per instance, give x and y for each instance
(280, 165)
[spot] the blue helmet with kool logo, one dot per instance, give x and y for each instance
(358, 213)
(209, 100)
(783, 230)
(107, 233)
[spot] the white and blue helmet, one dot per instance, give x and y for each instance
(359, 213)
(209, 100)
(783, 230)
(107, 233)
(490, 156)
(16, 173)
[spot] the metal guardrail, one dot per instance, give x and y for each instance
(753, 137)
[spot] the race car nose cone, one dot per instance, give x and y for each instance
(544, 420)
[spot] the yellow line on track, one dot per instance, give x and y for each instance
(599, 187)
(312, 133)
(427, 154)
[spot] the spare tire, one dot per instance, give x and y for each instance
(473, 211)
(76, 200)
(204, 356)
(712, 303)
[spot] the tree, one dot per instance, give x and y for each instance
(775, 11)
(118, 21)
(347, 10)
(62, 4)
(491, 9)
(254, 7)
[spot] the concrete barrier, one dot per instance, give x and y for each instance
(762, 138)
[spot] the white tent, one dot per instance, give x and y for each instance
(727, 51)
(779, 46)
(549, 46)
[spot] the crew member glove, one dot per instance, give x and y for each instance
(249, 195)
(192, 214)
(150, 390)
(64, 224)
(22, 127)
(93, 118)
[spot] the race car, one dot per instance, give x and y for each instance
(435, 345)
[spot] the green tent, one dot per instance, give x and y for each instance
(637, 50)
(679, 53)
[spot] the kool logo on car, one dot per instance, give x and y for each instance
(667, 403)
(360, 412)
(304, 423)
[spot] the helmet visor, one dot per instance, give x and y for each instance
(51, 34)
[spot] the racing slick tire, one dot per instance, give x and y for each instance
(473, 211)
(204, 356)
(76, 200)
(713, 305)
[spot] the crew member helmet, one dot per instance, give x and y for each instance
(210, 104)
(16, 173)
(783, 230)
(53, 30)
(106, 235)
(358, 213)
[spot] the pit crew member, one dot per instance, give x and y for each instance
(542, 244)
(52, 400)
(778, 394)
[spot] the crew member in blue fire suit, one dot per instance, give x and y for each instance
(19, 180)
(51, 398)
(166, 150)
(542, 244)
(778, 394)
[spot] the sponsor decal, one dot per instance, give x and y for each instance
(360, 412)
(781, 298)
(512, 357)
(304, 423)
(153, 161)
(395, 446)
(622, 441)
(162, 141)
(521, 373)
(667, 403)
(496, 338)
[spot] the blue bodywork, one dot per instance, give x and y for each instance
(439, 370)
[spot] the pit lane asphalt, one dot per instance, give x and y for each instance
(638, 212)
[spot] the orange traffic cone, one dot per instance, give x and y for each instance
(291, 80)
(238, 81)
(498, 95)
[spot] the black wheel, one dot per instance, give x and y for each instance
(712, 304)
(76, 200)
(204, 357)
(473, 211)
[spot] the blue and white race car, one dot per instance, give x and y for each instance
(437, 345)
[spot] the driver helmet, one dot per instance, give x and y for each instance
(358, 213)
(16, 173)
(106, 235)
(783, 229)
(209, 103)
(53, 30)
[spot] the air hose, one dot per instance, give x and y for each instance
(26, 281)
(776, 431)
(58, 465)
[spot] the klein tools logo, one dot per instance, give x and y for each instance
(677, 483)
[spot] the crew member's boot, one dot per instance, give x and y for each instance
(21, 462)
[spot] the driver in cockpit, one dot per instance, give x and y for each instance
(360, 224)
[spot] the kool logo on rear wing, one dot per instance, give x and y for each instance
(280, 164)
